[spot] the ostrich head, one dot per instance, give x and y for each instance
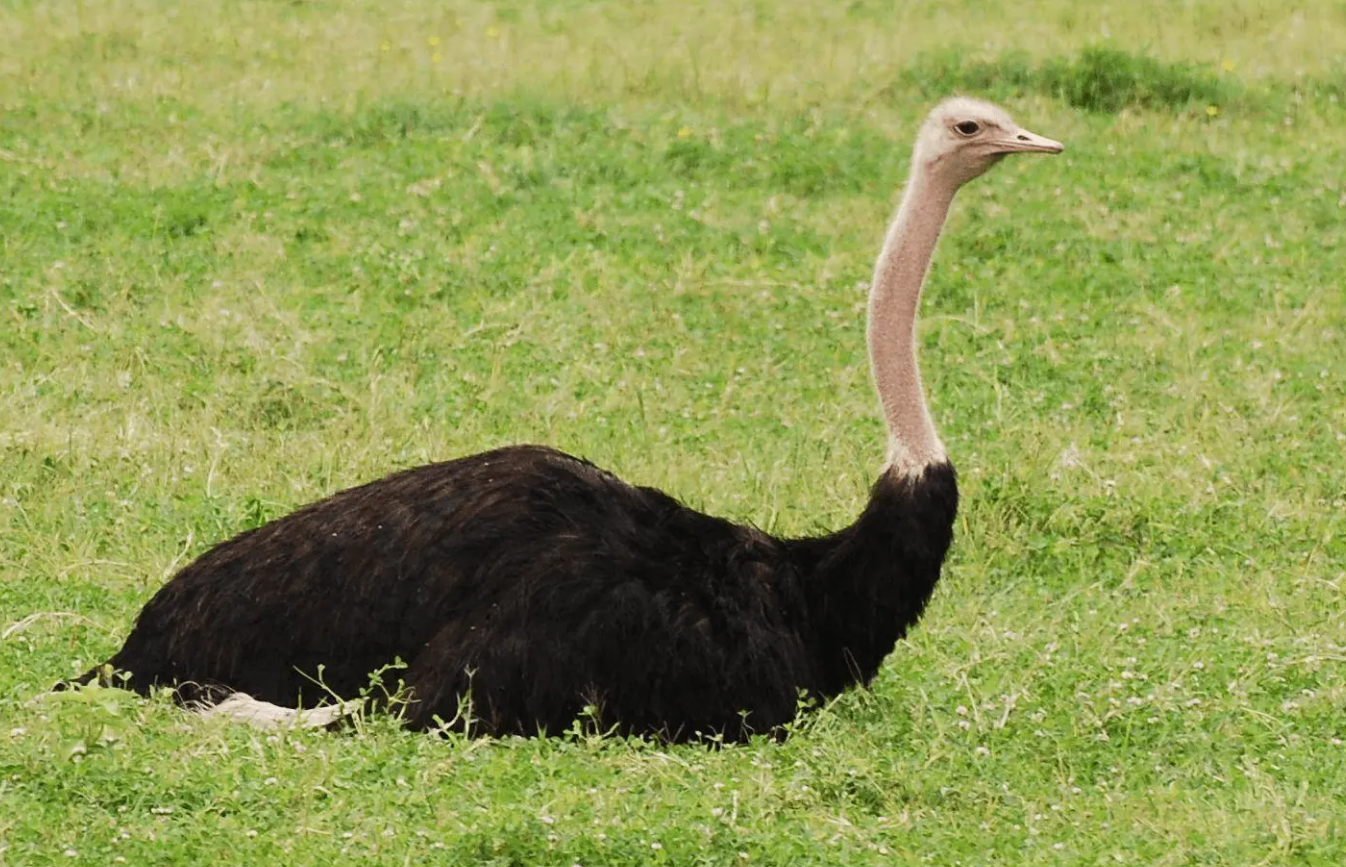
(962, 138)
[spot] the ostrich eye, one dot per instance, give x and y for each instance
(967, 127)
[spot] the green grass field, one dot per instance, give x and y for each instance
(255, 252)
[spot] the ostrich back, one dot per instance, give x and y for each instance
(536, 584)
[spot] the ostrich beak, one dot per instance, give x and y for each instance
(1021, 141)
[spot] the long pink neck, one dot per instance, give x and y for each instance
(913, 443)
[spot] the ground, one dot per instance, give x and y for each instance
(255, 252)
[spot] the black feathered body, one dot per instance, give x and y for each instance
(537, 584)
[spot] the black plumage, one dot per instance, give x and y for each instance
(538, 584)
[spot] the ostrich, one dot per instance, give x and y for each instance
(539, 587)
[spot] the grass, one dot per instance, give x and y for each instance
(253, 252)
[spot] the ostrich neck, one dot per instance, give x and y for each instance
(913, 443)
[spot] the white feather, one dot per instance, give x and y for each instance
(241, 707)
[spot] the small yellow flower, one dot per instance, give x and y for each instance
(385, 46)
(492, 31)
(1227, 66)
(432, 41)
(684, 132)
(436, 57)
(1212, 110)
